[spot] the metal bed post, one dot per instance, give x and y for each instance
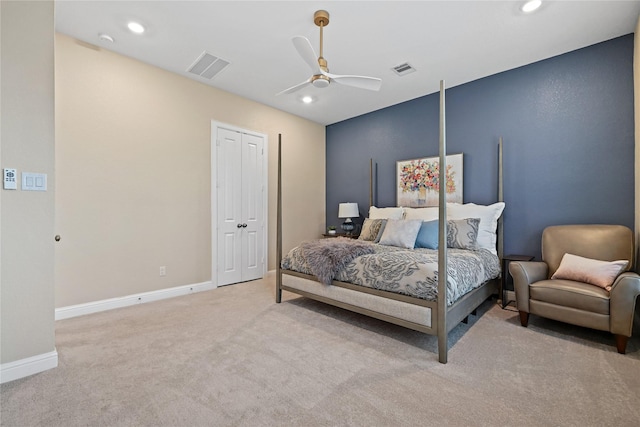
(370, 183)
(279, 225)
(442, 236)
(500, 199)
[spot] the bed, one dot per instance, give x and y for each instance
(390, 280)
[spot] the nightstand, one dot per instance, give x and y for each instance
(352, 236)
(506, 277)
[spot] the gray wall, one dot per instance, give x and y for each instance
(567, 123)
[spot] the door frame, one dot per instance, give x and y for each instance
(215, 125)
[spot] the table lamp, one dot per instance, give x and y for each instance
(348, 211)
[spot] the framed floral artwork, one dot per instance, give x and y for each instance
(418, 181)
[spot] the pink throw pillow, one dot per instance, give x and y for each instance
(587, 270)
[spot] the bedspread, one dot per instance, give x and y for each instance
(412, 272)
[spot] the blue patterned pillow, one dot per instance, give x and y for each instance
(428, 235)
(463, 233)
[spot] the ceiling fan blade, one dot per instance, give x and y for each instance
(304, 48)
(294, 88)
(362, 82)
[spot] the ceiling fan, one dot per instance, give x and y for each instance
(321, 77)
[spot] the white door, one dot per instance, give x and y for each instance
(240, 209)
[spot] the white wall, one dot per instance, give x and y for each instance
(133, 172)
(27, 218)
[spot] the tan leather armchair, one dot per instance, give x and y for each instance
(580, 303)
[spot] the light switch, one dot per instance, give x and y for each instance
(9, 179)
(34, 181)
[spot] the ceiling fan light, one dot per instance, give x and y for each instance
(320, 82)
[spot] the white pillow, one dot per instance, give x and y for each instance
(425, 214)
(587, 270)
(429, 213)
(401, 232)
(385, 213)
(488, 221)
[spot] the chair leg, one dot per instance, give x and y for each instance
(621, 343)
(524, 318)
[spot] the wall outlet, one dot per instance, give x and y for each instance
(163, 271)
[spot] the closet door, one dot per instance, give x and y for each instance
(252, 208)
(240, 224)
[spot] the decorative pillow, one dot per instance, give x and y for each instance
(382, 227)
(488, 221)
(425, 214)
(463, 233)
(428, 235)
(587, 270)
(385, 213)
(401, 233)
(372, 229)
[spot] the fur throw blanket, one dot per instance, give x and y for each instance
(328, 256)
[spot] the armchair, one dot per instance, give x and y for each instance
(577, 302)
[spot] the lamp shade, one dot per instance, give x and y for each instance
(348, 210)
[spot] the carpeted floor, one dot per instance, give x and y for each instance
(232, 357)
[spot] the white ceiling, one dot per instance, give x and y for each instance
(458, 41)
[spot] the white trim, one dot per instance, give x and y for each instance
(31, 365)
(215, 125)
(129, 300)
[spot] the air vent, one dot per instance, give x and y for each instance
(208, 66)
(403, 69)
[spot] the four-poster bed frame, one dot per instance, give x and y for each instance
(431, 317)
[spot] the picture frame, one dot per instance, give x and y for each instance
(417, 181)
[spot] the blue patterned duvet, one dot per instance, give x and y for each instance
(412, 272)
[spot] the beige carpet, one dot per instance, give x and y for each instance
(232, 357)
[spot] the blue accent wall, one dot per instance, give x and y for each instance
(568, 129)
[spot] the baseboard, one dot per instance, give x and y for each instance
(31, 365)
(129, 300)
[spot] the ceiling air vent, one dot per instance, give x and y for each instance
(403, 69)
(208, 66)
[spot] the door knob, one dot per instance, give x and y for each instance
(239, 225)
(244, 225)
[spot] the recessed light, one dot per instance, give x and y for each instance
(135, 27)
(105, 38)
(531, 5)
(307, 99)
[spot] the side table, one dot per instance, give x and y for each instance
(506, 277)
(352, 236)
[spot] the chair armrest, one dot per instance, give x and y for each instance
(525, 273)
(623, 294)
